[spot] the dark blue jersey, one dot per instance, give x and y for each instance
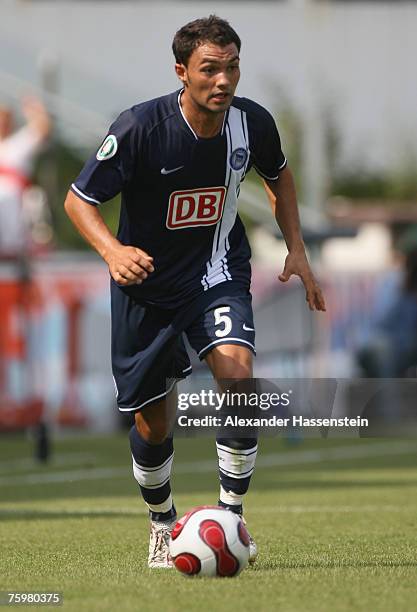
(179, 192)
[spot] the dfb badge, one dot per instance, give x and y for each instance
(108, 148)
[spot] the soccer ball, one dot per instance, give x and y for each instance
(209, 541)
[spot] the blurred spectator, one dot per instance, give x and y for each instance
(392, 348)
(18, 150)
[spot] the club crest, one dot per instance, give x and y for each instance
(238, 158)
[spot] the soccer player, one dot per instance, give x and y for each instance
(180, 262)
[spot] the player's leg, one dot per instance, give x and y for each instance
(148, 357)
(236, 455)
(230, 361)
(152, 450)
(224, 336)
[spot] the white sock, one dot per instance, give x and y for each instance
(230, 498)
(164, 507)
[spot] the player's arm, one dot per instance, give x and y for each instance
(128, 265)
(37, 117)
(282, 196)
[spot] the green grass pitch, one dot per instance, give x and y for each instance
(335, 522)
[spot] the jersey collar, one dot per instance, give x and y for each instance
(188, 124)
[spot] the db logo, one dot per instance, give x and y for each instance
(195, 207)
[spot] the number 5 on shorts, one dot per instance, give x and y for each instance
(221, 318)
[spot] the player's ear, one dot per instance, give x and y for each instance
(181, 71)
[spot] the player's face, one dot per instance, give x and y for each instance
(211, 76)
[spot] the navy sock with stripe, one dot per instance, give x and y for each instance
(152, 469)
(236, 464)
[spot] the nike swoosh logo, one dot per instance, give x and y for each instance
(165, 171)
(246, 328)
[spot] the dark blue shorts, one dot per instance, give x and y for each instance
(148, 351)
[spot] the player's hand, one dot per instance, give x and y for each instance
(129, 265)
(296, 263)
(32, 107)
(36, 115)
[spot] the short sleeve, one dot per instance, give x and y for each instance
(269, 158)
(111, 168)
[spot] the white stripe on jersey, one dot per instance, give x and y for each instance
(86, 197)
(237, 138)
(271, 178)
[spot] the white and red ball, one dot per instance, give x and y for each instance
(210, 541)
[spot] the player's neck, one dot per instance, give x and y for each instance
(203, 123)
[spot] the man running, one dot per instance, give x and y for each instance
(180, 261)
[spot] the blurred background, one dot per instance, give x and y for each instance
(337, 76)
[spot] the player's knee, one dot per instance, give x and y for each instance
(239, 370)
(232, 368)
(154, 432)
(230, 361)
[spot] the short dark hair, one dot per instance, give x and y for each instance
(208, 29)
